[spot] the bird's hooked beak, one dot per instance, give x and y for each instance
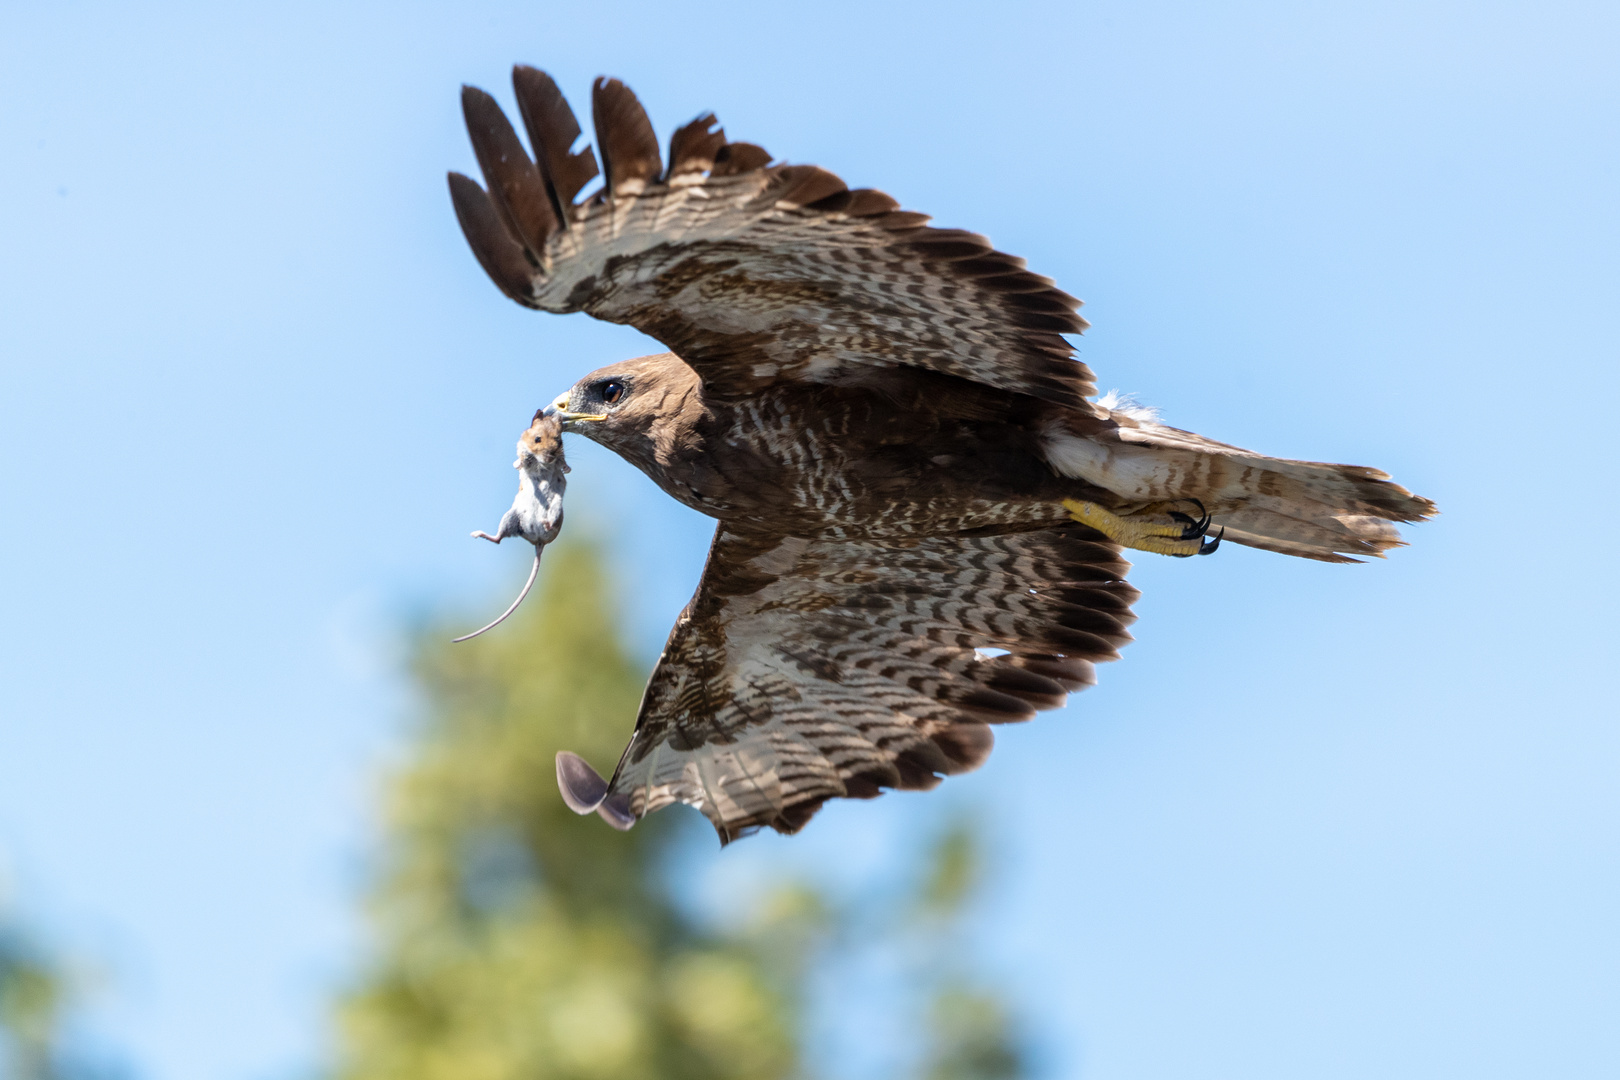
(559, 409)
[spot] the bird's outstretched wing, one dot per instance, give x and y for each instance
(810, 669)
(750, 272)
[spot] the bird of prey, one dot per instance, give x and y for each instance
(921, 508)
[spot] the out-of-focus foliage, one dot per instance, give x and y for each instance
(972, 1034)
(522, 941)
(517, 940)
(972, 1037)
(953, 871)
(31, 1009)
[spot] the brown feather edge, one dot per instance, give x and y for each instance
(518, 191)
(1015, 687)
(501, 257)
(1038, 312)
(553, 129)
(625, 137)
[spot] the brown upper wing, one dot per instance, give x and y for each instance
(750, 272)
(805, 670)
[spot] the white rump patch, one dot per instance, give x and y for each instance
(1126, 405)
(1135, 472)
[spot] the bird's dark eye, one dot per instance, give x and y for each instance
(612, 391)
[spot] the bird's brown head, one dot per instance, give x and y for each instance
(620, 406)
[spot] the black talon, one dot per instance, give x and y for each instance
(1209, 546)
(1194, 528)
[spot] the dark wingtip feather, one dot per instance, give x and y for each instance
(582, 787)
(693, 147)
(797, 816)
(736, 158)
(501, 257)
(1072, 673)
(553, 130)
(862, 202)
(869, 202)
(949, 245)
(965, 745)
(804, 185)
(902, 221)
(1037, 689)
(921, 768)
(625, 136)
(989, 706)
(868, 786)
(515, 185)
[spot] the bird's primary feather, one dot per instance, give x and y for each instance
(755, 273)
(808, 669)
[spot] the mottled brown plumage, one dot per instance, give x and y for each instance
(897, 442)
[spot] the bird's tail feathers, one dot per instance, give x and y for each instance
(1312, 509)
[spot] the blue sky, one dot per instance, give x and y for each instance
(1322, 821)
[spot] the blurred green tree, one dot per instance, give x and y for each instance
(974, 1036)
(517, 940)
(31, 1008)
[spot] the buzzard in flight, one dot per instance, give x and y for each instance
(921, 509)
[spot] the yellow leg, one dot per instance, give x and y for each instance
(1139, 535)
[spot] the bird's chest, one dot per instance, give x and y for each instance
(842, 471)
(760, 463)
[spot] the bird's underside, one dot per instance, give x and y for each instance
(921, 510)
